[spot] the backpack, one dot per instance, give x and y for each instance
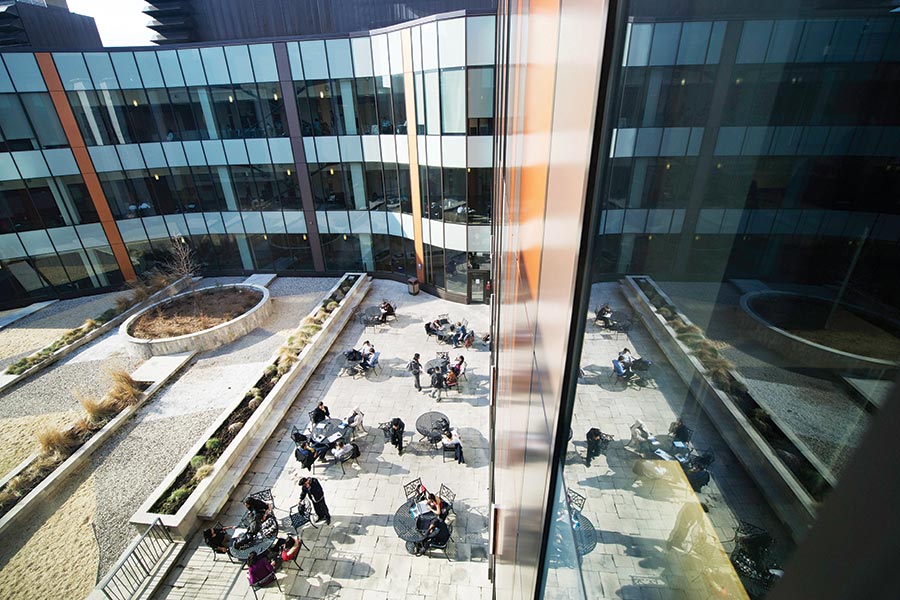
(414, 367)
(356, 453)
(269, 527)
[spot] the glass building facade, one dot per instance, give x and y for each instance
(712, 187)
(367, 153)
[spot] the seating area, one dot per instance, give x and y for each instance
(360, 550)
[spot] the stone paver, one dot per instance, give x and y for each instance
(359, 556)
(633, 516)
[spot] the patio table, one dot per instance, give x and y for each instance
(431, 425)
(330, 431)
(411, 522)
(260, 543)
(585, 534)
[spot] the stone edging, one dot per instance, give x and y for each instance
(215, 490)
(169, 290)
(810, 353)
(76, 461)
(788, 498)
(207, 339)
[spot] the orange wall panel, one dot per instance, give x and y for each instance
(85, 164)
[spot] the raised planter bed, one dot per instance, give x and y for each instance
(76, 461)
(50, 357)
(806, 351)
(207, 339)
(234, 451)
(731, 413)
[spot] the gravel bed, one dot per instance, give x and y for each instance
(85, 371)
(31, 333)
(131, 465)
(815, 408)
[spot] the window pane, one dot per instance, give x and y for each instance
(24, 71)
(263, 58)
(481, 92)
(453, 101)
(367, 116)
(432, 103)
(43, 116)
(383, 99)
(399, 102)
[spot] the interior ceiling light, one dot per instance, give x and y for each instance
(231, 99)
(331, 171)
(289, 172)
(321, 94)
(275, 95)
(135, 102)
(156, 176)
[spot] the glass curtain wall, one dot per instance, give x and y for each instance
(743, 221)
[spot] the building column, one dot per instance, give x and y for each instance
(706, 156)
(415, 191)
(85, 164)
(302, 171)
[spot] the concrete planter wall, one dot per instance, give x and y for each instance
(76, 462)
(216, 489)
(786, 495)
(166, 292)
(202, 340)
(797, 348)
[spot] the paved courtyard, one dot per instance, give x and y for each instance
(359, 556)
(635, 517)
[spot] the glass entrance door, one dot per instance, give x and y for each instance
(478, 293)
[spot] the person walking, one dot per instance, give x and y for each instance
(396, 434)
(310, 486)
(415, 367)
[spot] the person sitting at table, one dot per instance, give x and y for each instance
(604, 313)
(260, 570)
(290, 548)
(305, 455)
(386, 311)
(260, 509)
(438, 534)
(626, 357)
(626, 372)
(679, 431)
(459, 334)
(437, 505)
(397, 429)
(320, 450)
(457, 366)
(353, 355)
(367, 349)
(639, 437)
(217, 538)
(320, 413)
(355, 419)
(451, 440)
(341, 450)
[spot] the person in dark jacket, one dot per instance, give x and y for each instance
(594, 445)
(415, 367)
(396, 431)
(320, 413)
(437, 535)
(310, 486)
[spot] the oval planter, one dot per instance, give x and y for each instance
(793, 346)
(211, 494)
(207, 339)
(171, 289)
(786, 495)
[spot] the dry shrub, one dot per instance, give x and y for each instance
(8, 497)
(123, 303)
(202, 473)
(56, 441)
(158, 281)
(124, 391)
(43, 466)
(83, 425)
(90, 324)
(96, 409)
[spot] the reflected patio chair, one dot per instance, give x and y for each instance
(576, 500)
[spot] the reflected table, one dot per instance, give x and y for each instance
(585, 534)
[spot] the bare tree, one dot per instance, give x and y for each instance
(183, 263)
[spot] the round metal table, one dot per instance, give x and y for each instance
(439, 363)
(405, 525)
(431, 425)
(260, 544)
(585, 534)
(327, 428)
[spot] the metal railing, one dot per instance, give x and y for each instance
(138, 565)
